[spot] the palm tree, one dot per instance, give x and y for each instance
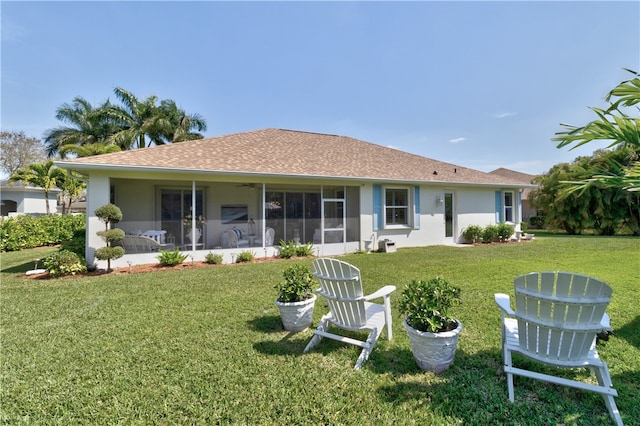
(87, 125)
(144, 123)
(72, 187)
(89, 149)
(181, 126)
(44, 175)
(613, 125)
(136, 120)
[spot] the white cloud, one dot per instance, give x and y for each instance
(505, 114)
(457, 140)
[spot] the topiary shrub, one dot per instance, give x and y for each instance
(110, 214)
(472, 233)
(171, 257)
(64, 262)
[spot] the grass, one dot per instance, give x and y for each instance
(206, 346)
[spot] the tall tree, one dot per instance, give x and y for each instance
(86, 124)
(89, 149)
(18, 151)
(614, 125)
(72, 188)
(144, 123)
(44, 175)
(595, 207)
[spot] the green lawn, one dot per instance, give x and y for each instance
(206, 346)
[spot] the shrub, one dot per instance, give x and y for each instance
(108, 253)
(245, 256)
(171, 257)
(427, 304)
(213, 258)
(304, 250)
(64, 262)
(286, 250)
(76, 244)
(472, 233)
(489, 233)
(537, 222)
(110, 214)
(297, 284)
(504, 231)
(524, 226)
(24, 232)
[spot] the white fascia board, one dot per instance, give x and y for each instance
(85, 168)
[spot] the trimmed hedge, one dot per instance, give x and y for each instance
(25, 232)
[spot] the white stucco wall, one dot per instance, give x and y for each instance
(30, 200)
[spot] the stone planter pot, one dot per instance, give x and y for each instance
(297, 316)
(433, 351)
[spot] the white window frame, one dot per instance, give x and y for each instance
(506, 207)
(408, 207)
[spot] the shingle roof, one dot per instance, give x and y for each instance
(512, 174)
(277, 152)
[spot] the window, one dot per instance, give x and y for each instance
(396, 204)
(508, 206)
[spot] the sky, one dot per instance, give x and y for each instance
(477, 84)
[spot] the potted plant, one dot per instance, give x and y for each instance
(433, 332)
(296, 299)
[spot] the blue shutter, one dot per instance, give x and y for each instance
(377, 207)
(416, 207)
(498, 206)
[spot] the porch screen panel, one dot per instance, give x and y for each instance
(416, 207)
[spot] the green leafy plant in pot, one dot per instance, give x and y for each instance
(432, 330)
(296, 300)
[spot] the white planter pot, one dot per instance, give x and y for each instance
(433, 351)
(297, 316)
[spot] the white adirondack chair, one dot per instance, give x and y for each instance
(557, 318)
(349, 308)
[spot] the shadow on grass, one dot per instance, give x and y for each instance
(267, 324)
(17, 269)
(630, 332)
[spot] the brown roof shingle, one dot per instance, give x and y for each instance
(280, 152)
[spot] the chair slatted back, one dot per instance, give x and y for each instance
(559, 313)
(341, 286)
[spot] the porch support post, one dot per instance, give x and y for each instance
(264, 216)
(193, 215)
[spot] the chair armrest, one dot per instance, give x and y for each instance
(384, 291)
(504, 302)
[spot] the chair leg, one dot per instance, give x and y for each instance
(604, 379)
(366, 351)
(323, 326)
(508, 363)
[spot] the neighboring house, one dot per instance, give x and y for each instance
(17, 198)
(527, 210)
(340, 193)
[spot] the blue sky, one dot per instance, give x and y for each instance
(478, 84)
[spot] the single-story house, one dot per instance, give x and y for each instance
(527, 209)
(18, 198)
(222, 194)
